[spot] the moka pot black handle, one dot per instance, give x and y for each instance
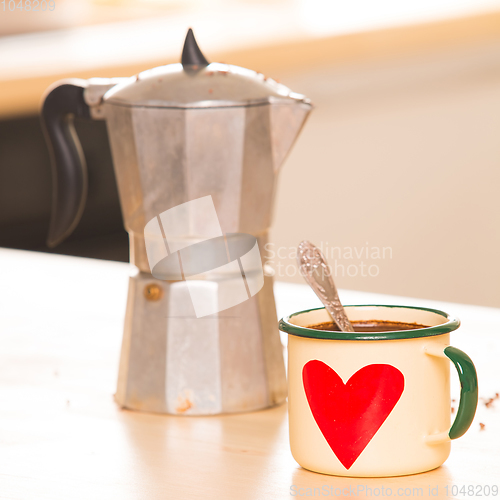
(69, 171)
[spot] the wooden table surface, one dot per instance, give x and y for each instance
(63, 437)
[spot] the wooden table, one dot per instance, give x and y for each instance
(63, 437)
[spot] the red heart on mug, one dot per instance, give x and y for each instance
(350, 414)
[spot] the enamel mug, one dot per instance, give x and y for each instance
(375, 404)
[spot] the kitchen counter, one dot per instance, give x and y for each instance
(63, 437)
(273, 38)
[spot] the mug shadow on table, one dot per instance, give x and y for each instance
(424, 485)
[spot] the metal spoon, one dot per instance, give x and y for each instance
(314, 268)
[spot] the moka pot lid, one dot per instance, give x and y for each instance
(196, 83)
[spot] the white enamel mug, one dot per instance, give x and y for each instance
(375, 404)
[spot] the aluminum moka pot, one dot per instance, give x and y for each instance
(196, 150)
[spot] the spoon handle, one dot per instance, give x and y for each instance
(314, 269)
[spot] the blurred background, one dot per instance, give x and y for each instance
(395, 175)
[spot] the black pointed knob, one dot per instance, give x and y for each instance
(191, 53)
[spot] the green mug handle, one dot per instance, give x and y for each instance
(468, 391)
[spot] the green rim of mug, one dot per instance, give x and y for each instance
(301, 331)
